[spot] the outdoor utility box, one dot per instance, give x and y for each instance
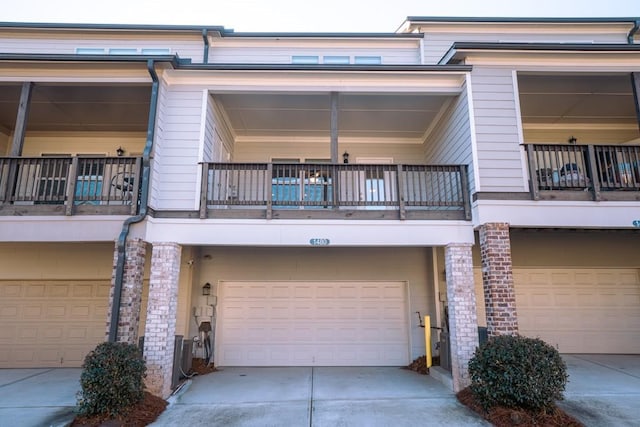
(445, 351)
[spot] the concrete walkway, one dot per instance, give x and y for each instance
(603, 390)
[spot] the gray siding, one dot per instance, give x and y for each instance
(66, 42)
(224, 144)
(176, 151)
(437, 44)
(450, 141)
(402, 52)
(496, 124)
(209, 132)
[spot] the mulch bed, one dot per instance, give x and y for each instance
(509, 417)
(140, 415)
(199, 367)
(145, 412)
(419, 365)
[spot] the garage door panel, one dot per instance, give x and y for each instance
(333, 324)
(51, 324)
(581, 311)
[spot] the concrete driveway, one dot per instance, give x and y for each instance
(317, 397)
(603, 390)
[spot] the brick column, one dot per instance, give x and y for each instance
(463, 321)
(160, 327)
(497, 279)
(129, 317)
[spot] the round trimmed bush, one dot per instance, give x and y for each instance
(517, 372)
(112, 380)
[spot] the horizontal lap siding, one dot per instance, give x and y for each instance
(175, 164)
(496, 125)
(57, 42)
(436, 44)
(450, 141)
(282, 55)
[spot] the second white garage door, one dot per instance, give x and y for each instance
(312, 324)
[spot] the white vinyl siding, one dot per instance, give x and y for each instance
(450, 140)
(186, 45)
(209, 132)
(257, 51)
(496, 124)
(176, 150)
(436, 44)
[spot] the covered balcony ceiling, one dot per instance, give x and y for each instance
(122, 108)
(577, 100)
(390, 116)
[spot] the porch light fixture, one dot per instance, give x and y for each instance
(345, 157)
(206, 289)
(572, 140)
(120, 151)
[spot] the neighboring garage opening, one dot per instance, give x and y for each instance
(312, 323)
(54, 299)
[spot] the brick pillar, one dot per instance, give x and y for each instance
(160, 327)
(497, 279)
(463, 321)
(129, 318)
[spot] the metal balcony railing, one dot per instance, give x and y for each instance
(599, 171)
(68, 185)
(297, 190)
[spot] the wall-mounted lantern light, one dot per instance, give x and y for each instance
(120, 151)
(345, 157)
(206, 289)
(572, 140)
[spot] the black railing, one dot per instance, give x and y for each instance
(69, 185)
(594, 169)
(334, 190)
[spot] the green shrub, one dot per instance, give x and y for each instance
(112, 380)
(517, 372)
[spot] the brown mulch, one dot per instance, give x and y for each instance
(198, 367)
(143, 413)
(419, 365)
(140, 415)
(509, 417)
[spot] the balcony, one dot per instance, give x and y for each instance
(334, 191)
(69, 185)
(584, 172)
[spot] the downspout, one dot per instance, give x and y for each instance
(142, 213)
(634, 30)
(205, 37)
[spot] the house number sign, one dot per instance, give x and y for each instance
(319, 242)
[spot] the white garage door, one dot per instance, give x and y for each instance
(52, 323)
(312, 324)
(580, 310)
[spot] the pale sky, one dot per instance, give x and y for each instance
(299, 15)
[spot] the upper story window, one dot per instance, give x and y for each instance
(367, 60)
(336, 59)
(122, 51)
(89, 51)
(304, 59)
